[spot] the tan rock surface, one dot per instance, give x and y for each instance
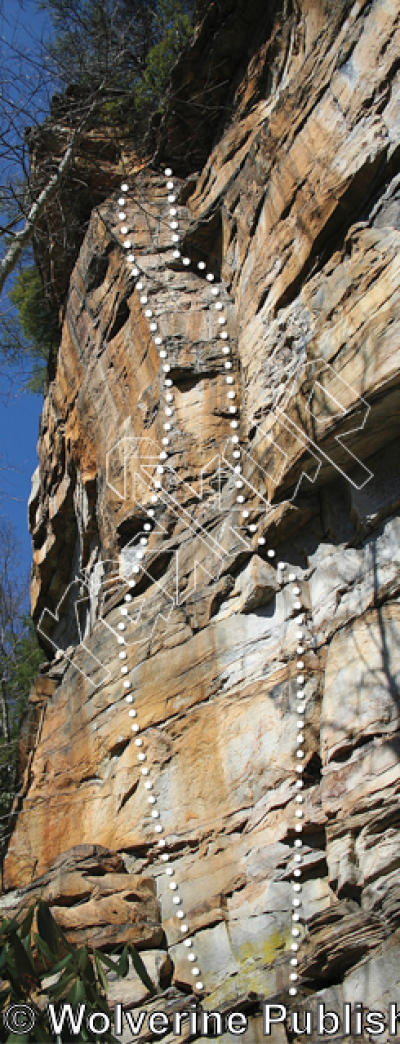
(295, 207)
(92, 903)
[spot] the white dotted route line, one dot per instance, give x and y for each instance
(298, 826)
(168, 410)
(297, 605)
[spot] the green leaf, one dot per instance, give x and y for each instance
(112, 965)
(76, 995)
(47, 928)
(24, 966)
(43, 948)
(65, 961)
(58, 990)
(123, 964)
(100, 972)
(7, 926)
(83, 959)
(68, 976)
(140, 968)
(26, 925)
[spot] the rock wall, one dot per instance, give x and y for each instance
(296, 213)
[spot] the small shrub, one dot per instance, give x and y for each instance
(35, 951)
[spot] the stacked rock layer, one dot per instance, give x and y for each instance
(296, 213)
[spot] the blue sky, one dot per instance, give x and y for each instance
(20, 411)
(19, 426)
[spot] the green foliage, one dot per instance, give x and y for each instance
(174, 28)
(28, 297)
(35, 321)
(27, 334)
(127, 48)
(113, 57)
(20, 658)
(35, 951)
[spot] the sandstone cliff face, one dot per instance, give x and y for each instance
(296, 212)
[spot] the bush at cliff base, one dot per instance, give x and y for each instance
(38, 965)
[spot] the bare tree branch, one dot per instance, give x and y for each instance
(23, 237)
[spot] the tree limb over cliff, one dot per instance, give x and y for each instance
(23, 237)
(75, 104)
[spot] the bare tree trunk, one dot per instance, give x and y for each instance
(25, 234)
(4, 715)
(21, 238)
